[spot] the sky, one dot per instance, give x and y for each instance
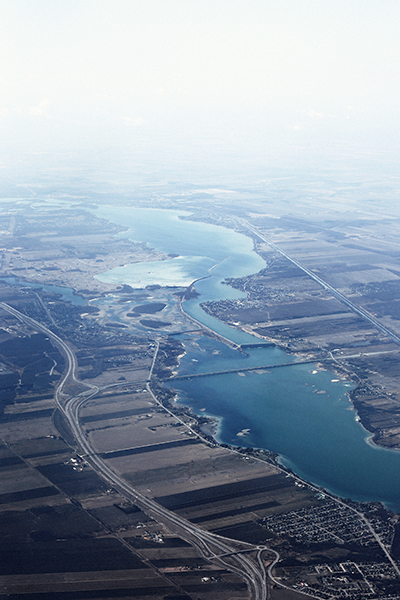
(223, 73)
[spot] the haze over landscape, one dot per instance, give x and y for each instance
(207, 79)
(199, 299)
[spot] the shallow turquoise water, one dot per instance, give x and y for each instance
(300, 414)
(200, 247)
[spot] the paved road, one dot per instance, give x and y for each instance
(362, 313)
(71, 364)
(213, 547)
(210, 546)
(358, 310)
(218, 549)
(227, 371)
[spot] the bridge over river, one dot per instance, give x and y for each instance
(243, 369)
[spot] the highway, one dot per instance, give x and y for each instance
(356, 309)
(362, 313)
(71, 364)
(218, 549)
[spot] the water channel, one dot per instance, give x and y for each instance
(67, 294)
(299, 411)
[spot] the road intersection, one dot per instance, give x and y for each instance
(244, 559)
(234, 556)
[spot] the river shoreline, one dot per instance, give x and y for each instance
(210, 290)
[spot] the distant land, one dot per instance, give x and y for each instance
(110, 488)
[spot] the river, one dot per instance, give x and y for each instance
(298, 411)
(66, 293)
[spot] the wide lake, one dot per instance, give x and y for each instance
(298, 411)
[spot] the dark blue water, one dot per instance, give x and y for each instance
(205, 355)
(301, 413)
(298, 411)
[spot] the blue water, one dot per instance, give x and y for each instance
(300, 412)
(67, 293)
(113, 309)
(200, 246)
(304, 417)
(297, 411)
(205, 355)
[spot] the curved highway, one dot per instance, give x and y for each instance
(71, 364)
(215, 548)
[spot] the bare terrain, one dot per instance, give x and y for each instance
(287, 306)
(68, 532)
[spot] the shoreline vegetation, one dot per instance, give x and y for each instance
(178, 460)
(206, 428)
(282, 342)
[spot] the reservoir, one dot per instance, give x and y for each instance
(298, 411)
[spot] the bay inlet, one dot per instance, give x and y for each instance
(299, 411)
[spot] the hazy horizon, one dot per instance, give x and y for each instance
(218, 82)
